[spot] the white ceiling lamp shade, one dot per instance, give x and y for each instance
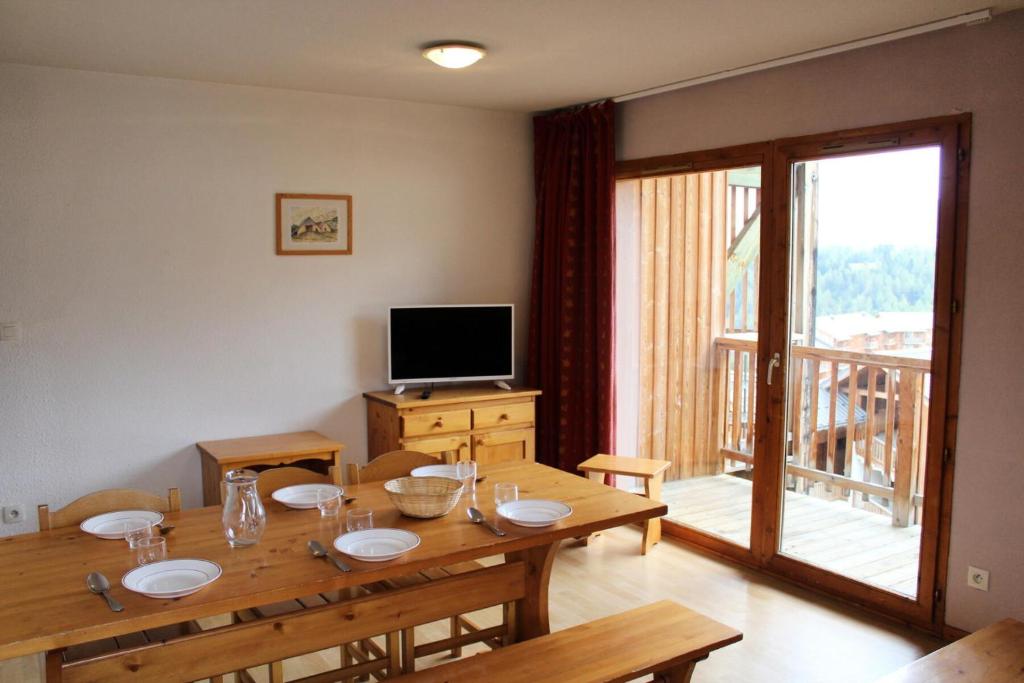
(454, 54)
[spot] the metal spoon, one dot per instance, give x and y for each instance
(478, 518)
(98, 584)
(318, 550)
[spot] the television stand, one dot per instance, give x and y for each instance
(501, 384)
(481, 423)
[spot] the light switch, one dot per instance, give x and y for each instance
(10, 332)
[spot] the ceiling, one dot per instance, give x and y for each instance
(543, 53)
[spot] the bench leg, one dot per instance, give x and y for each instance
(394, 650)
(456, 631)
(677, 674)
(408, 650)
(652, 527)
(54, 659)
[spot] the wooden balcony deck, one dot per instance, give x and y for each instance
(830, 534)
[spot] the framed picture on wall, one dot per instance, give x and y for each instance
(314, 224)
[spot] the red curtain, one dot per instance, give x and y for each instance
(572, 307)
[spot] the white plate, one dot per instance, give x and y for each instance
(171, 578)
(376, 545)
(111, 524)
(303, 496)
(534, 512)
(447, 471)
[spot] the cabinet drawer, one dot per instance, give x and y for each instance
(499, 416)
(427, 424)
(444, 448)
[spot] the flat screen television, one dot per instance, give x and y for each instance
(450, 343)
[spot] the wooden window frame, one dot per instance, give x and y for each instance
(953, 135)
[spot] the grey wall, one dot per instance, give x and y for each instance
(977, 69)
(137, 251)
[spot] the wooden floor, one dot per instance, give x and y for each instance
(830, 534)
(789, 634)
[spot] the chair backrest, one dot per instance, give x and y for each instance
(388, 466)
(108, 500)
(276, 478)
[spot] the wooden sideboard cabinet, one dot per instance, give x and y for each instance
(486, 425)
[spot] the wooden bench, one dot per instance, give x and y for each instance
(995, 654)
(664, 638)
(650, 470)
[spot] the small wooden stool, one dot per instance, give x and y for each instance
(651, 471)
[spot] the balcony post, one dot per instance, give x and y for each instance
(902, 504)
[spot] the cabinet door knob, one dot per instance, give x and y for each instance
(503, 416)
(439, 423)
(479, 442)
(463, 445)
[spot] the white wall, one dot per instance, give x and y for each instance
(979, 69)
(137, 250)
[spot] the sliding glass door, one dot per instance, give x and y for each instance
(689, 282)
(860, 358)
(788, 339)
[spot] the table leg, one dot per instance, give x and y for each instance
(531, 612)
(652, 527)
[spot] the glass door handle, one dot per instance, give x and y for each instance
(772, 364)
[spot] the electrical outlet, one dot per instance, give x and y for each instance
(10, 332)
(977, 578)
(14, 514)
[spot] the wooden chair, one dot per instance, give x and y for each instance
(98, 503)
(388, 466)
(109, 500)
(399, 464)
(275, 478)
(271, 480)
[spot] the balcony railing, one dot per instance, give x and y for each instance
(856, 426)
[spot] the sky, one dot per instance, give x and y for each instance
(886, 197)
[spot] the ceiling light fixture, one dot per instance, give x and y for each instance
(454, 55)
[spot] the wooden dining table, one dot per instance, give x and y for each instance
(47, 607)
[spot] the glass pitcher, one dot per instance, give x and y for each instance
(244, 516)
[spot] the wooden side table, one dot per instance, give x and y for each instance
(218, 457)
(651, 471)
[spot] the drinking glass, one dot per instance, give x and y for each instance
(465, 471)
(136, 529)
(359, 519)
(151, 549)
(328, 501)
(504, 492)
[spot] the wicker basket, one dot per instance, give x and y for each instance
(424, 497)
